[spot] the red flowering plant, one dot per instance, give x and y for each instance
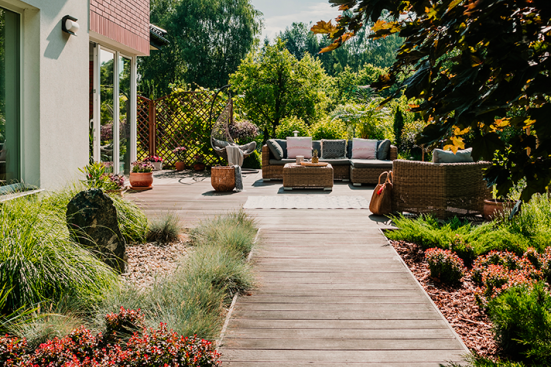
(445, 265)
(81, 348)
(499, 271)
(153, 158)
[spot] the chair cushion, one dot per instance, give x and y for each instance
(337, 162)
(220, 143)
(443, 156)
(333, 149)
(299, 146)
(275, 148)
(281, 162)
(248, 148)
(383, 150)
(370, 163)
(364, 149)
(283, 144)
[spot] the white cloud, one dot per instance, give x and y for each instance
(306, 14)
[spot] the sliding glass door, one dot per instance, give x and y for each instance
(10, 139)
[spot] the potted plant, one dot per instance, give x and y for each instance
(198, 165)
(496, 207)
(141, 175)
(97, 177)
(156, 161)
(180, 153)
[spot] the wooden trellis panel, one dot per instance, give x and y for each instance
(179, 119)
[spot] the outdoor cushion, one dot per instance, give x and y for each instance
(332, 149)
(443, 156)
(370, 163)
(337, 162)
(282, 162)
(283, 144)
(383, 150)
(364, 149)
(299, 146)
(220, 143)
(275, 148)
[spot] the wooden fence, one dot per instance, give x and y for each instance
(179, 119)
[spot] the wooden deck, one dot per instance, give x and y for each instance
(331, 291)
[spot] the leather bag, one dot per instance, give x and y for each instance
(381, 200)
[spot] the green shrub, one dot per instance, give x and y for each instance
(522, 323)
(288, 125)
(253, 161)
(164, 229)
(191, 300)
(39, 261)
(445, 265)
(328, 129)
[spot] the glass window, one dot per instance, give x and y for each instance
(10, 146)
(106, 109)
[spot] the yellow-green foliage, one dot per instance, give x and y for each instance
(328, 129)
(290, 124)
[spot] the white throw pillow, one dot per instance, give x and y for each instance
(364, 149)
(299, 146)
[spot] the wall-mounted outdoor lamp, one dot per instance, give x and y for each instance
(69, 24)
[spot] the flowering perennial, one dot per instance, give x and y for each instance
(445, 265)
(243, 130)
(142, 167)
(81, 348)
(153, 158)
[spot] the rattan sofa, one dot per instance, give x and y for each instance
(358, 171)
(441, 189)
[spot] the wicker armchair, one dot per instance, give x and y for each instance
(441, 189)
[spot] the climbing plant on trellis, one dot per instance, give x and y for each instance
(179, 119)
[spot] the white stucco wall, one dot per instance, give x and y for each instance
(55, 83)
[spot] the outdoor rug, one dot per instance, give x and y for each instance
(306, 202)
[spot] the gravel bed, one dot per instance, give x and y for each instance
(150, 260)
(457, 304)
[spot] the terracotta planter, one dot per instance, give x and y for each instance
(199, 166)
(493, 208)
(141, 179)
(180, 166)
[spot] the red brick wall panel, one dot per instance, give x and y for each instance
(124, 21)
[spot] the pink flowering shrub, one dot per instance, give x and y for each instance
(81, 348)
(153, 158)
(445, 265)
(243, 131)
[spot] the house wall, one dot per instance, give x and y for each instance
(55, 116)
(123, 24)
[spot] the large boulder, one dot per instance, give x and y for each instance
(92, 221)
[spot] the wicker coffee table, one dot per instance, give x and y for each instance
(297, 176)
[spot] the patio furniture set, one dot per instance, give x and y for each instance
(450, 185)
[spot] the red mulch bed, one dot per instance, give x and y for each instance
(457, 304)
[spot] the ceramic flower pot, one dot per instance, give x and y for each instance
(141, 179)
(493, 208)
(180, 166)
(199, 166)
(157, 166)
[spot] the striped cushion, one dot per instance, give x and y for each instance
(299, 146)
(364, 149)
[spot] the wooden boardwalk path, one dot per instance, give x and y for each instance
(331, 291)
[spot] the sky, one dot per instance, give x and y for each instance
(279, 14)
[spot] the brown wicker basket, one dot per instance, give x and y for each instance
(222, 178)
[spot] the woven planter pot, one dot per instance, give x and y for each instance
(222, 178)
(141, 179)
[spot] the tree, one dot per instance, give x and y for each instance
(275, 85)
(299, 40)
(208, 40)
(480, 66)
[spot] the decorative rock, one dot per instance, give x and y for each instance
(92, 221)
